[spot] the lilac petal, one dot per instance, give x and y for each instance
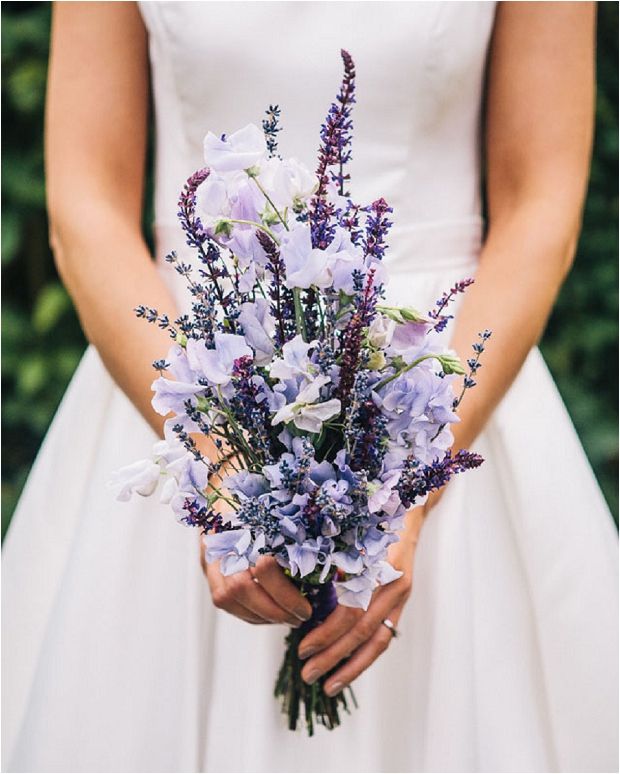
(171, 395)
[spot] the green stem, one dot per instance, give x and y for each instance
(299, 314)
(403, 370)
(266, 195)
(260, 226)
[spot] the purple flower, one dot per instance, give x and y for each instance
(303, 557)
(305, 266)
(171, 395)
(246, 484)
(380, 493)
(258, 329)
(216, 365)
(294, 361)
(234, 549)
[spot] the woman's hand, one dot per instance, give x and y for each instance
(260, 595)
(361, 633)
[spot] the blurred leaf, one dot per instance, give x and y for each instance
(51, 304)
(11, 235)
(31, 374)
(26, 86)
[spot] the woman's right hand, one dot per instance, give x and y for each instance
(260, 595)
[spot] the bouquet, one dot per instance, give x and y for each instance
(329, 410)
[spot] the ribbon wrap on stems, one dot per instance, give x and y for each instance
(290, 687)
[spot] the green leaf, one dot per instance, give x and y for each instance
(51, 304)
(11, 235)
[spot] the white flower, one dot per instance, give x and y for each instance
(140, 478)
(381, 331)
(304, 412)
(288, 182)
(238, 151)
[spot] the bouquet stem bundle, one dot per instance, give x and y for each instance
(297, 697)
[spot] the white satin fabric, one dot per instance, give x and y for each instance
(115, 660)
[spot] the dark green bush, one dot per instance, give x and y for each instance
(41, 337)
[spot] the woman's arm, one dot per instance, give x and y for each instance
(97, 111)
(538, 144)
(95, 141)
(538, 141)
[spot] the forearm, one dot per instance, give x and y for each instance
(107, 269)
(522, 266)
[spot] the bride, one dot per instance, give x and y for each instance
(115, 657)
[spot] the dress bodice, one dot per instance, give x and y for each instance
(420, 72)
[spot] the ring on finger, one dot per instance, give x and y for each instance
(390, 625)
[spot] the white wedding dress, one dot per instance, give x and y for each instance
(114, 658)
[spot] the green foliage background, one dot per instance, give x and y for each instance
(42, 341)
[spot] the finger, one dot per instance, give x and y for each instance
(335, 625)
(273, 580)
(243, 590)
(222, 600)
(359, 661)
(365, 628)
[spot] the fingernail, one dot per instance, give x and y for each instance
(306, 653)
(313, 676)
(334, 689)
(303, 615)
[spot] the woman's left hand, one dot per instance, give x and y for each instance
(360, 634)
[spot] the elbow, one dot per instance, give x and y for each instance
(570, 242)
(57, 226)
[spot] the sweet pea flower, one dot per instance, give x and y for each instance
(171, 395)
(258, 329)
(380, 492)
(241, 150)
(380, 331)
(305, 266)
(288, 182)
(216, 365)
(294, 361)
(358, 591)
(233, 548)
(140, 478)
(305, 412)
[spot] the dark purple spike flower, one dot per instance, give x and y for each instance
(377, 227)
(206, 519)
(190, 222)
(247, 406)
(365, 428)
(208, 250)
(442, 303)
(282, 303)
(334, 151)
(271, 127)
(418, 480)
(351, 346)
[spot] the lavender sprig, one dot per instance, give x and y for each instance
(474, 364)
(335, 150)
(271, 127)
(442, 303)
(418, 480)
(282, 303)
